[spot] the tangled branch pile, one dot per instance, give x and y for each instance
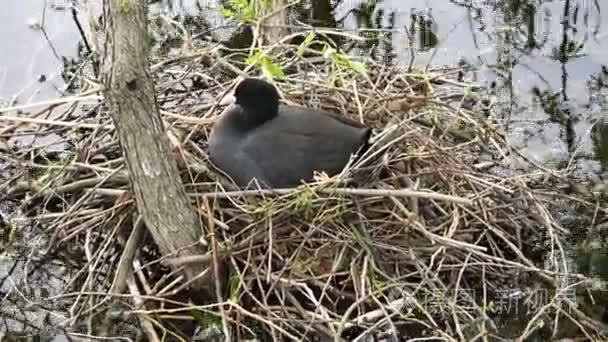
(426, 244)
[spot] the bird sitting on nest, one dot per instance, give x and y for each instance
(280, 146)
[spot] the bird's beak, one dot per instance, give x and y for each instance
(228, 99)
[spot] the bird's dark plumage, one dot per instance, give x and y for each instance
(280, 145)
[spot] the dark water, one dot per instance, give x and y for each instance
(544, 63)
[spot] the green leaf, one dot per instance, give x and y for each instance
(241, 10)
(251, 15)
(205, 319)
(227, 12)
(271, 70)
(306, 43)
(266, 4)
(254, 59)
(329, 52)
(234, 285)
(343, 59)
(358, 67)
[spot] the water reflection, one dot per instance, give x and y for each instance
(34, 38)
(424, 27)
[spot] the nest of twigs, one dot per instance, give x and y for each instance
(427, 244)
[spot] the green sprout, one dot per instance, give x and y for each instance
(245, 10)
(270, 69)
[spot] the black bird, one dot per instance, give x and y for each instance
(279, 145)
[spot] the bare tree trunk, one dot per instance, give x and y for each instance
(275, 26)
(161, 197)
